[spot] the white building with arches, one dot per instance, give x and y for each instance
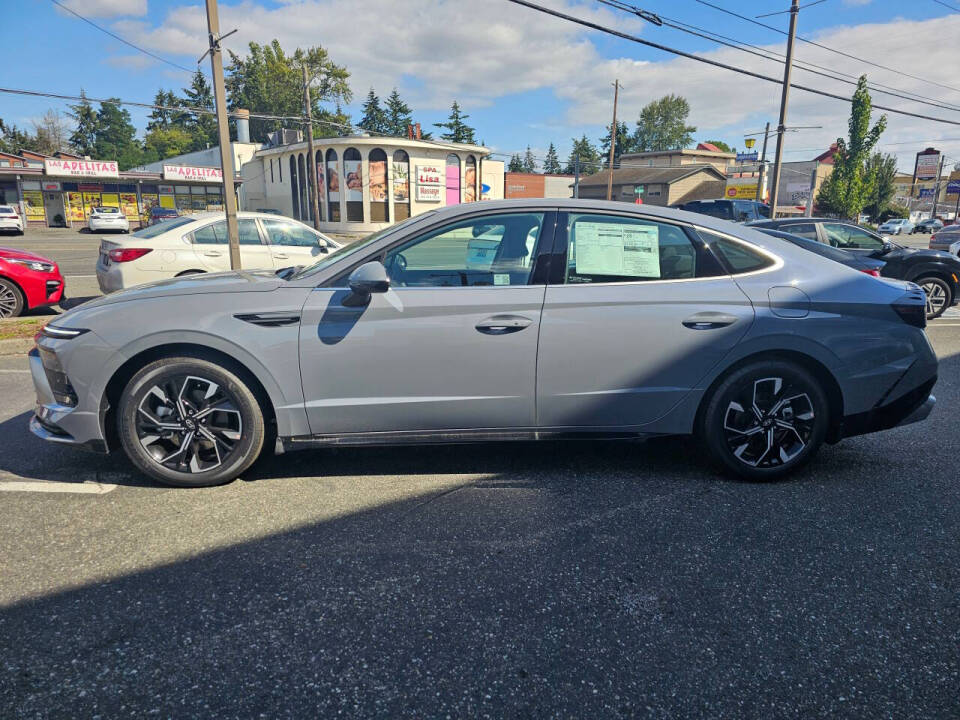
(366, 183)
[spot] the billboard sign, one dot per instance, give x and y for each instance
(747, 157)
(928, 165)
(953, 187)
(742, 192)
(926, 192)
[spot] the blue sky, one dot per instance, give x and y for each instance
(522, 77)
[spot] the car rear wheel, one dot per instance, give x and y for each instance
(189, 422)
(939, 296)
(11, 299)
(765, 420)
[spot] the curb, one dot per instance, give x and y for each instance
(16, 346)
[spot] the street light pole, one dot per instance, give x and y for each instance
(314, 193)
(784, 98)
(613, 139)
(763, 164)
(223, 131)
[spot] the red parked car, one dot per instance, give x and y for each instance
(27, 281)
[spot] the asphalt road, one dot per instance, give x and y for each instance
(555, 580)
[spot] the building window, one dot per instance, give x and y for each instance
(321, 185)
(353, 184)
(304, 184)
(294, 192)
(271, 170)
(401, 186)
(453, 179)
(470, 180)
(378, 186)
(333, 187)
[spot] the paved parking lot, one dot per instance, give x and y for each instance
(563, 579)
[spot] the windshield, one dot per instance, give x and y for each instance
(352, 248)
(106, 210)
(162, 227)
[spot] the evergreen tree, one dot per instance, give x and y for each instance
(159, 118)
(457, 130)
(589, 158)
(116, 137)
(529, 162)
(202, 127)
(551, 164)
(84, 136)
(374, 117)
(516, 164)
(624, 144)
(13, 139)
(398, 115)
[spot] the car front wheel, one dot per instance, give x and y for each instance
(939, 296)
(11, 299)
(765, 420)
(189, 422)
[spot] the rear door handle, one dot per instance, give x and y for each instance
(213, 253)
(709, 321)
(281, 256)
(503, 324)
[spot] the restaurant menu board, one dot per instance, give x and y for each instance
(617, 249)
(354, 179)
(128, 203)
(74, 206)
(401, 182)
(378, 181)
(90, 201)
(33, 204)
(149, 201)
(110, 200)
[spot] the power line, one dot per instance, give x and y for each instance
(946, 5)
(715, 63)
(124, 41)
(826, 47)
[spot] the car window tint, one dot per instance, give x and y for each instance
(212, 234)
(720, 210)
(805, 230)
(162, 227)
(739, 257)
(280, 232)
(608, 248)
(849, 236)
(249, 234)
(490, 250)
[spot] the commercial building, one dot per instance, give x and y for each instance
(703, 154)
(657, 186)
(535, 185)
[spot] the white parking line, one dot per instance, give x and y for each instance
(50, 486)
(24, 372)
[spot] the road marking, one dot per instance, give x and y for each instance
(938, 325)
(49, 486)
(79, 276)
(24, 372)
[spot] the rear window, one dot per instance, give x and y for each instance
(106, 210)
(739, 257)
(6, 209)
(162, 227)
(720, 210)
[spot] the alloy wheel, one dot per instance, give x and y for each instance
(9, 301)
(189, 424)
(936, 297)
(768, 423)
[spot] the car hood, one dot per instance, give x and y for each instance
(905, 253)
(22, 255)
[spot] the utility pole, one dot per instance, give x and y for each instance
(784, 98)
(576, 175)
(314, 202)
(226, 152)
(763, 164)
(613, 139)
(808, 210)
(936, 190)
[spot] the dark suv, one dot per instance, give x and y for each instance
(938, 273)
(740, 211)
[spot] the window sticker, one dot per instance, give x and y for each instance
(501, 278)
(617, 249)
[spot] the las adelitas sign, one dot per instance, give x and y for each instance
(81, 168)
(187, 172)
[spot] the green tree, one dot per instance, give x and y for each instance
(166, 142)
(160, 118)
(116, 137)
(84, 136)
(270, 81)
(13, 139)
(550, 163)
(721, 145)
(848, 188)
(881, 171)
(624, 144)
(374, 117)
(529, 162)
(516, 164)
(399, 115)
(589, 158)
(663, 125)
(457, 130)
(202, 127)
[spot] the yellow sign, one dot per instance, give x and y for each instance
(128, 201)
(167, 201)
(90, 201)
(741, 192)
(33, 202)
(74, 206)
(750, 142)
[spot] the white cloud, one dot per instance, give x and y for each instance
(107, 8)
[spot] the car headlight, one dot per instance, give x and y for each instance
(62, 333)
(37, 265)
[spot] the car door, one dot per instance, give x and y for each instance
(851, 238)
(638, 312)
(212, 248)
(452, 346)
(292, 243)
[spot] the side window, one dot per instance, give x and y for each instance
(287, 233)
(739, 257)
(212, 234)
(489, 250)
(743, 211)
(249, 235)
(849, 236)
(608, 248)
(804, 230)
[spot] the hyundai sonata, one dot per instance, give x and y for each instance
(509, 320)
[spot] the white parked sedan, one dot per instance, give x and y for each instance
(198, 244)
(10, 219)
(108, 218)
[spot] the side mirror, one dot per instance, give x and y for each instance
(367, 279)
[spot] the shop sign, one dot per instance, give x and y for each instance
(429, 175)
(928, 165)
(742, 192)
(81, 168)
(953, 187)
(188, 172)
(926, 192)
(747, 157)
(29, 185)
(166, 189)
(429, 193)
(51, 186)
(90, 187)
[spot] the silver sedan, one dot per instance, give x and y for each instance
(510, 320)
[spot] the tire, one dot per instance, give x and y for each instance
(158, 436)
(939, 295)
(12, 302)
(772, 444)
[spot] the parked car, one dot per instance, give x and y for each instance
(621, 321)
(938, 273)
(946, 240)
(895, 226)
(108, 218)
(198, 243)
(159, 214)
(10, 219)
(863, 264)
(928, 226)
(269, 211)
(27, 281)
(740, 211)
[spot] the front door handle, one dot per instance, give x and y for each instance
(709, 321)
(503, 324)
(213, 253)
(280, 256)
